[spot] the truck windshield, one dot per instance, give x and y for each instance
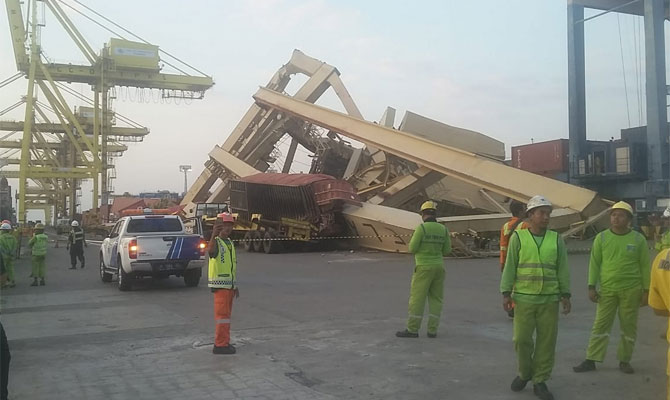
(145, 225)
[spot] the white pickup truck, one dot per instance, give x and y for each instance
(151, 246)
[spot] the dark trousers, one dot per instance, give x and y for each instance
(77, 254)
(4, 364)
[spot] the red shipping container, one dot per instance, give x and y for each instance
(542, 158)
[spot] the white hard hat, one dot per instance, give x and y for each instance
(537, 201)
(666, 213)
(74, 223)
(5, 227)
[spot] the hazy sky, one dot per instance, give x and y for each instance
(497, 67)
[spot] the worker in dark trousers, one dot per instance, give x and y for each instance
(75, 243)
(4, 364)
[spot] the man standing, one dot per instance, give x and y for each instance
(536, 276)
(38, 244)
(75, 243)
(659, 295)
(620, 266)
(8, 251)
(518, 211)
(430, 243)
(221, 280)
(663, 240)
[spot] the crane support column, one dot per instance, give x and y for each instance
(657, 120)
(576, 87)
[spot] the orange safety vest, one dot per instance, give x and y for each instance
(505, 233)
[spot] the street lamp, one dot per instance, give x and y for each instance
(185, 169)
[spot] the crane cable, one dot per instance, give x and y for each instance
(623, 70)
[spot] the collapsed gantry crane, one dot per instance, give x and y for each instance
(83, 143)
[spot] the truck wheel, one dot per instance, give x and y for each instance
(192, 277)
(104, 276)
(271, 246)
(247, 243)
(125, 283)
(258, 241)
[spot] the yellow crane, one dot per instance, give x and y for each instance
(121, 62)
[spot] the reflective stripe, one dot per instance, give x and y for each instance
(537, 265)
(536, 278)
(222, 321)
(600, 335)
(630, 339)
(433, 316)
(416, 316)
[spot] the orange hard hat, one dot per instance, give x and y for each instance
(226, 217)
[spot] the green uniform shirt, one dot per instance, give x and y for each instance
(430, 243)
(7, 245)
(664, 243)
(619, 261)
(38, 243)
(509, 272)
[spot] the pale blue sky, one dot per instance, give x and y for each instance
(497, 67)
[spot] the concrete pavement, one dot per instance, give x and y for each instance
(307, 326)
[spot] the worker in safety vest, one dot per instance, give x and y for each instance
(75, 243)
(38, 244)
(663, 240)
(429, 244)
(518, 211)
(8, 252)
(536, 276)
(221, 280)
(619, 265)
(659, 295)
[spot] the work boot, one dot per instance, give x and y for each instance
(626, 368)
(406, 334)
(542, 391)
(42, 282)
(34, 282)
(585, 366)
(518, 384)
(73, 267)
(431, 335)
(224, 349)
(82, 265)
(11, 283)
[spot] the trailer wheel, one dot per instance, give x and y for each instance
(271, 246)
(247, 241)
(258, 241)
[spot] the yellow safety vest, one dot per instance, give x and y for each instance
(223, 267)
(537, 271)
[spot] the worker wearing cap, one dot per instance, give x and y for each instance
(75, 243)
(429, 244)
(659, 295)
(618, 281)
(518, 211)
(8, 251)
(38, 244)
(663, 240)
(222, 281)
(536, 276)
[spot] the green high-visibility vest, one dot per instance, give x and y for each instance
(223, 267)
(39, 244)
(537, 270)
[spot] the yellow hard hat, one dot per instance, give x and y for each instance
(622, 205)
(39, 226)
(429, 205)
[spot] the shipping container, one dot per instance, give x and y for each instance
(544, 158)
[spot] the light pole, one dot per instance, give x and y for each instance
(185, 169)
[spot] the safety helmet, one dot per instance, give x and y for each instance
(6, 221)
(537, 201)
(5, 227)
(666, 213)
(75, 223)
(226, 217)
(429, 205)
(622, 205)
(39, 226)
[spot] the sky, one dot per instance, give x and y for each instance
(496, 67)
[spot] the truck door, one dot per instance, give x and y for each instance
(112, 245)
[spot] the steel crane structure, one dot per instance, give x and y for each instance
(85, 142)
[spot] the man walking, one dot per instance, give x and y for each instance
(75, 243)
(659, 295)
(620, 266)
(8, 251)
(38, 244)
(222, 281)
(663, 239)
(518, 211)
(430, 243)
(536, 276)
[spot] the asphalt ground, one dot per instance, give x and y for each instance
(306, 326)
